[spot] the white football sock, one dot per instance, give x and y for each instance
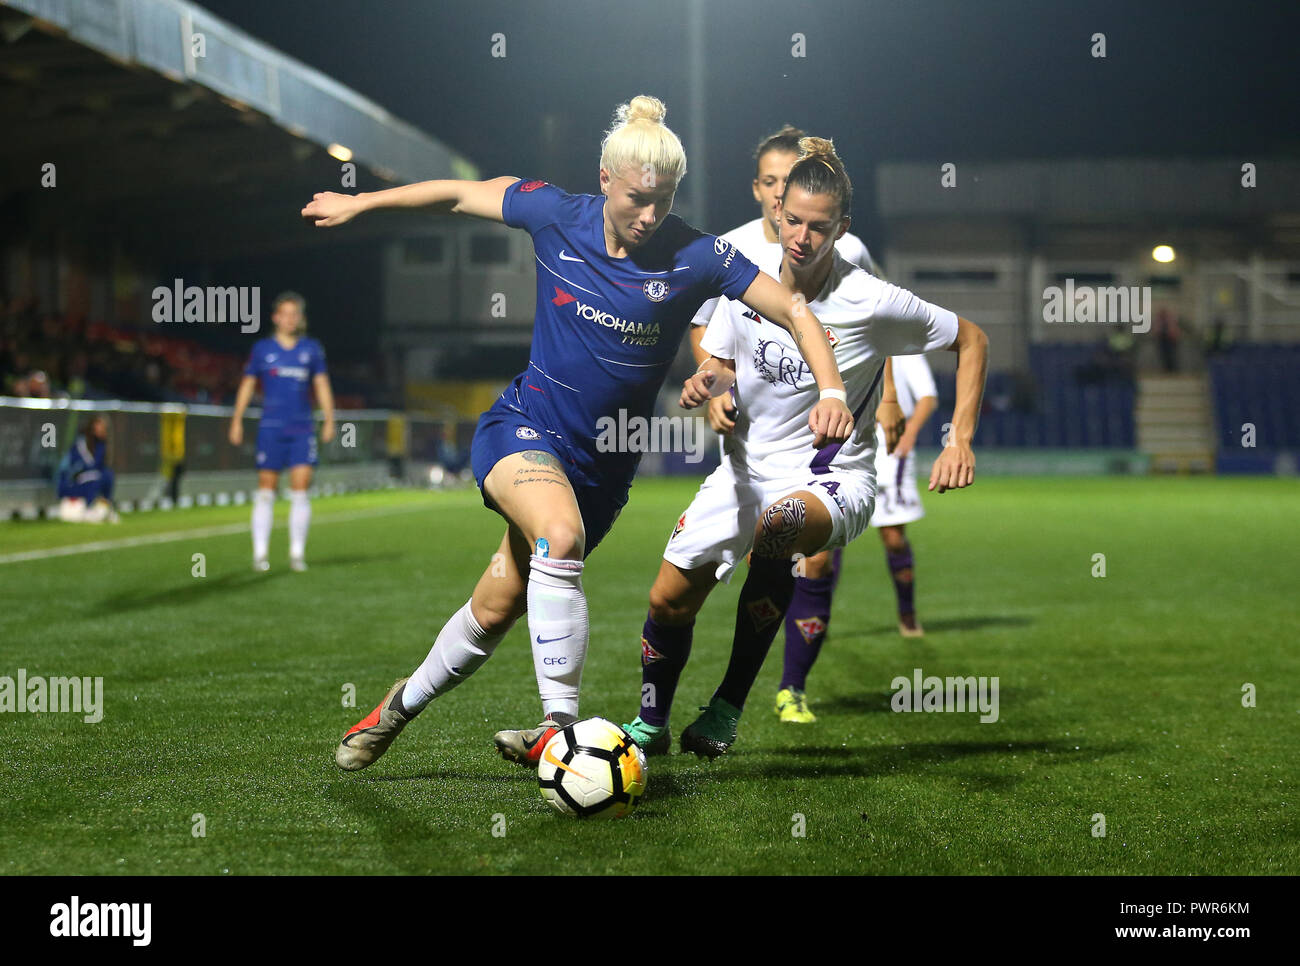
(557, 630)
(263, 501)
(299, 521)
(460, 650)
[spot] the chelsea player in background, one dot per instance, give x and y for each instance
(618, 281)
(85, 482)
(289, 365)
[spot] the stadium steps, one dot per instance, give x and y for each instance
(1174, 422)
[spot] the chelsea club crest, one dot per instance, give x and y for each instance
(656, 289)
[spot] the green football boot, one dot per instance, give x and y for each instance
(713, 732)
(652, 739)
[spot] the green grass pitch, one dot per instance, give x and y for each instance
(1119, 695)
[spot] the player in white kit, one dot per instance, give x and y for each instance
(809, 615)
(808, 618)
(898, 501)
(779, 490)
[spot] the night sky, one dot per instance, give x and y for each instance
(906, 80)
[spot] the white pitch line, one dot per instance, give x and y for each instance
(151, 538)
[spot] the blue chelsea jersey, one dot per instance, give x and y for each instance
(286, 376)
(607, 329)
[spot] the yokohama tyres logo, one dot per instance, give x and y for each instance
(634, 333)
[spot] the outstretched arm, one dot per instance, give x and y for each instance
(955, 467)
(482, 199)
(830, 420)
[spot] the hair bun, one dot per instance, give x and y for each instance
(819, 170)
(643, 107)
(812, 147)
(648, 143)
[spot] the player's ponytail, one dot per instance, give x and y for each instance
(639, 139)
(819, 170)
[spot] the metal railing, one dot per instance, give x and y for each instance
(182, 452)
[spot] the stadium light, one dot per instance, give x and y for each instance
(1163, 253)
(340, 152)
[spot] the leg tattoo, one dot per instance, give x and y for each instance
(781, 525)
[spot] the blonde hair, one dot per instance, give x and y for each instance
(819, 170)
(640, 139)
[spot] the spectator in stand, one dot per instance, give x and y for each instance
(38, 385)
(34, 385)
(1168, 334)
(1217, 338)
(87, 359)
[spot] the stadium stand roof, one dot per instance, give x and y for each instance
(210, 155)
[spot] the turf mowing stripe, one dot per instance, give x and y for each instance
(224, 530)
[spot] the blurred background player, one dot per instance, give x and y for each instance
(768, 494)
(898, 502)
(618, 280)
(85, 481)
(289, 365)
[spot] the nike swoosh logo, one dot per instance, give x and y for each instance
(549, 757)
(552, 640)
(570, 258)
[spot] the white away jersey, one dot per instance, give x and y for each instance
(913, 380)
(866, 320)
(753, 244)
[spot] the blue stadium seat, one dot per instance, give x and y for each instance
(1259, 384)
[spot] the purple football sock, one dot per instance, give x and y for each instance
(763, 600)
(900, 568)
(664, 651)
(805, 628)
(837, 558)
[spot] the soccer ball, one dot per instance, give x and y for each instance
(592, 769)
